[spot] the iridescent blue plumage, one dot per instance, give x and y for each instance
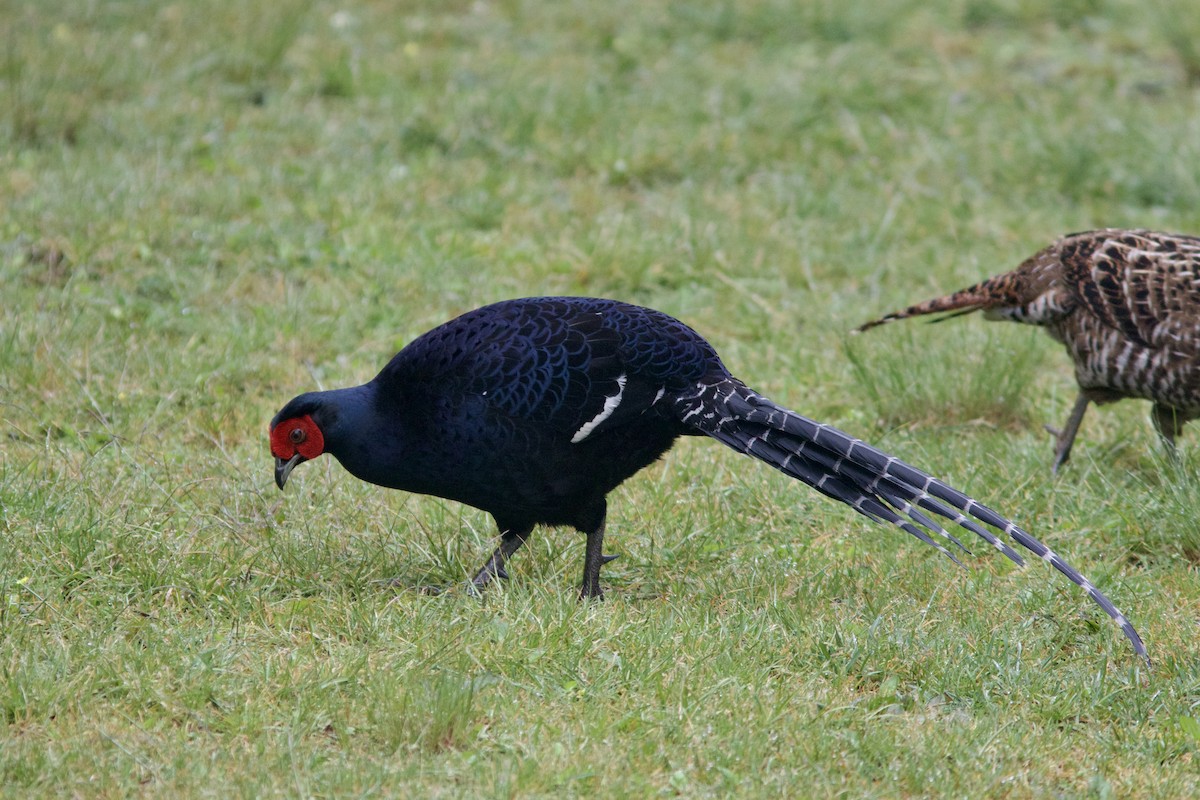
(535, 409)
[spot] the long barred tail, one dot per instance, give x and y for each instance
(877, 485)
(985, 294)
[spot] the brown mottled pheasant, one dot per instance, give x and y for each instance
(1126, 303)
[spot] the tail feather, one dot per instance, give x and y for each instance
(873, 469)
(829, 465)
(980, 296)
(795, 464)
(877, 485)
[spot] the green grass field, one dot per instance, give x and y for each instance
(208, 207)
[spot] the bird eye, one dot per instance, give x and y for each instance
(297, 435)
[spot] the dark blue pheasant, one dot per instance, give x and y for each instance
(534, 410)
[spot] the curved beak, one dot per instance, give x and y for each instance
(284, 468)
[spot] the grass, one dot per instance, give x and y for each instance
(209, 207)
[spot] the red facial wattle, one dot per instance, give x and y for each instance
(297, 436)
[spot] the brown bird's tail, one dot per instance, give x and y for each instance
(1001, 290)
(1032, 293)
(985, 294)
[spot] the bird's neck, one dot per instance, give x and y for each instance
(369, 438)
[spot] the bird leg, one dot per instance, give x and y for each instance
(1066, 437)
(1169, 424)
(594, 557)
(510, 542)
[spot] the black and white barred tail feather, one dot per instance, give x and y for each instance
(877, 485)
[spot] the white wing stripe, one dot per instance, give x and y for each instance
(610, 405)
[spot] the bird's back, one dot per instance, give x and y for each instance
(511, 340)
(1136, 330)
(1144, 284)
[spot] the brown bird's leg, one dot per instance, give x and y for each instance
(510, 542)
(1169, 424)
(1066, 437)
